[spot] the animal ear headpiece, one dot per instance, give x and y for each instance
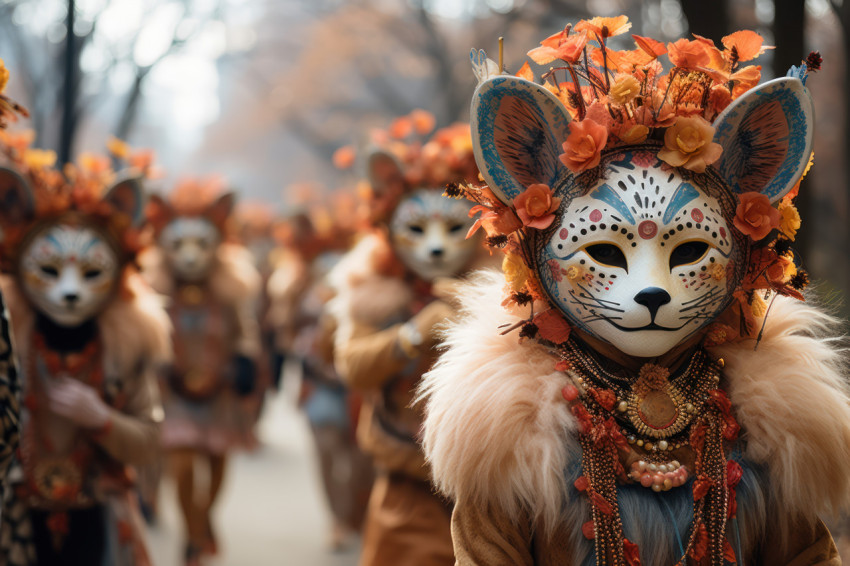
(196, 197)
(404, 158)
(33, 192)
(707, 121)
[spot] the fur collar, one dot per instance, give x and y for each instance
(233, 279)
(134, 327)
(498, 431)
(362, 295)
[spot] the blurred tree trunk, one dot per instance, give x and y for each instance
(842, 11)
(69, 90)
(789, 29)
(708, 19)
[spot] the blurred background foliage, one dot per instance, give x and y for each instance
(264, 92)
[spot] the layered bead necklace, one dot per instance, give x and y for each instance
(639, 430)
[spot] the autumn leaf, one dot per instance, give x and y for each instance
(525, 72)
(747, 43)
(552, 326)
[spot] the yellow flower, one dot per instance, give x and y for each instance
(4, 76)
(39, 158)
(624, 90)
(574, 272)
(118, 148)
(687, 143)
(718, 272)
(758, 306)
(516, 272)
(634, 134)
(789, 223)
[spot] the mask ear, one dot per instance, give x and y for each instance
(767, 137)
(385, 174)
(518, 128)
(220, 210)
(159, 213)
(17, 203)
(127, 196)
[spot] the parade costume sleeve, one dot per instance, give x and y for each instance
(807, 545)
(484, 537)
(370, 357)
(132, 433)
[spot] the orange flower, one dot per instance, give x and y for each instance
(624, 89)
(584, 145)
(719, 98)
(343, 158)
(39, 158)
(692, 54)
(401, 127)
(559, 46)
(536, 206)
(118, 148)
(755, 217)
(525, 72)
(496, 221)
(633, 133)
(423, 121)
(747, 43)
(650, 46)
(687, 143)
(605, 27)
(4, 76)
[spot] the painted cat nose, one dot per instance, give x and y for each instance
(437, 252)
(71, 298)
(653, 298)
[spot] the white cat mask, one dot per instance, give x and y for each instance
(641, 255)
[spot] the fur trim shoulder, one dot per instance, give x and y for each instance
(791, 399)
(498, 431)
(132, 329)
(234, 278)
(361, 294)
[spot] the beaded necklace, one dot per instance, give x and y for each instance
(633, 429)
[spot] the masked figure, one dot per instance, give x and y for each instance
(89, 335)
(391, 293)
(213, 288)
(299, 292)
(669, 381)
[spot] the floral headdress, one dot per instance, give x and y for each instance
(194, 197)
(9, 109)
(624, 99)
(89, 191)
(444, 158)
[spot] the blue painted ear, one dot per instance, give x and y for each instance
(767, 137)
(127, 196)
(518, 128)
(17, 202)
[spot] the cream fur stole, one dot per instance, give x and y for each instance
(363, 296)
(498, 430)
(131, 331)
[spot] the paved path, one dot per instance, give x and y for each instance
(270, 512)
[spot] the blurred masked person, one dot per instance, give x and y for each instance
(89, 333)
(299, 292)
(391, 297)
(213, 288)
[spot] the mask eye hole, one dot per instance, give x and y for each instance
(607, 254)
(417, 229)
(92, 274)
(687, 253)
(49, 270)
(455, 228)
